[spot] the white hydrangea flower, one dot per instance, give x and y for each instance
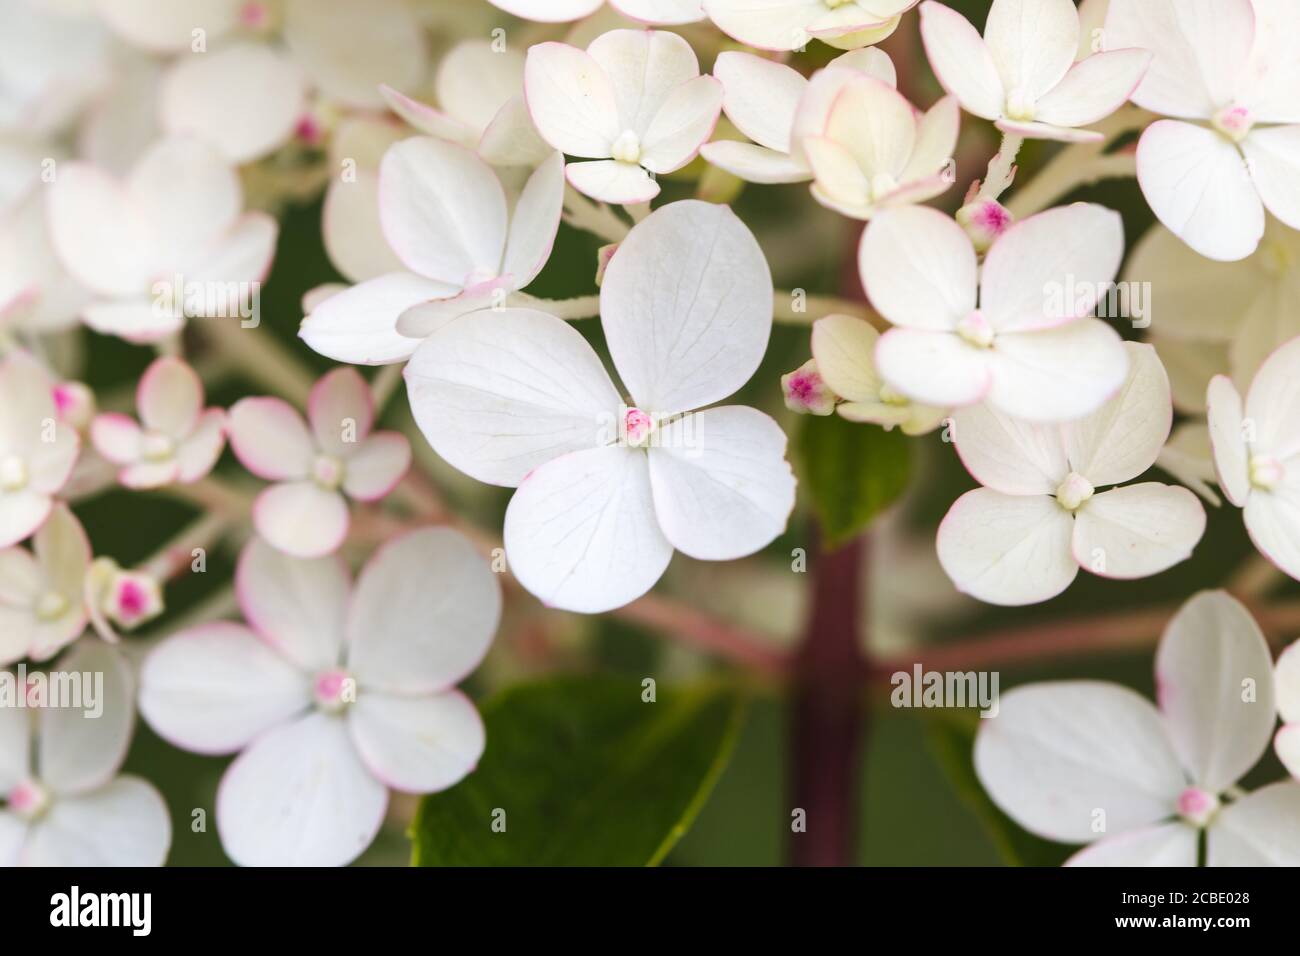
(1022, 538)
(634, 102)
(1257, 453)
(64, 802)
(1092, 762)
(180, 440)
(446, 216)
(42, 608)
(480, 90)
(332, 693)
(178, 215)
(1227, 72)
(607, 490)
(844, 349)
(1029, 347)
(791, 24)
(1286, 681)
(305, 513)
(37, 448)
(1022, 73)
(777, 107)
(654, 12)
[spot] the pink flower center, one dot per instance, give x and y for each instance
(29, 800)
(254, 15)
(132, 599)
(333, 690)
(637, 426)
(1196, 806)
(310, 130)
(804, 386)
(975, 330)
(1233, 122)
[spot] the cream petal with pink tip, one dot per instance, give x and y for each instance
(376, 465)
(1007, 549)
(1137, 530)
(197, 452)
(1056, 752)
(686, 305)
(1198, 185)
(296, 606)
(359, 324)
(422, 615)
(117, 437)
(123, 823)
(1210, 652)
(300, 796)
(340, 410)
(722, 487)
(169, 397)
(685, 120)
(301, 518)
(1258, 830)
(417, 744)
(270, 439)
(216, 688)
(501, 393)
(244, 99)
(1168, 844)
(581, 534)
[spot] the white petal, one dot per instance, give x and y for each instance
(424, 613)
(1286, 744)
(936, 138)
(1005, 549)
(348, 50)
(844, 349)
(270, 439)
(197, 453)
(124, 823)
(301, 518)
(1227, 437)
(341, 411)
(1121, 439)
(79, 749)
(169, 397)
(499, 393)
(722, 487)
(376, 466)
(875, 123)
(549, 11)
(21, 513)
(667, 12)
(766, 24)
(612, 181)
(838, 181)
(1064, 134)
(1057, 374)
(475, 80)
(215, 688)
(1211, 653)
(581, 534)
(1051, 267)
(644, 68)
(760, 96)
(1009, 455)
(101, 238)
(1272, 403)
(1200, 48)
(1273, 73)
(1168, 844)
(13, 837)
(1198, 185)
(681, 125)
(300, 796)
(1287, 684)
(1258, 830)
(417, 744)
(755, 164)
(1191, 364)
(189, 196)
(1137, 530)
(1273, 158)
(297, 606)
(443, 211)
(354, 239)
(961, 60)
(571, 99)
(511, 139)
(1094, 88)
(136, 320)
(1273, 521)
(936, 368)
(686, 305)
(425, 118)
(918, 268)
(117, 437)
(359, 324)
(1033, 43)
(168, 27)
(245, 99)
(534, 222)
(1059, 752)
(240, 256)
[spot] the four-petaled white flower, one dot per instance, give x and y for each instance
(658, 12)
(1022, 73)
(791, 24)
(634, 102)
(180, 440)
(607, 491)
(42, 603)
(64, 802)
(1286, 684)
(844, 349)
(333, 692)
(1257, 453)
(37, 448)
(1092, 762)
(305, 513)
(1227, 71)
(446, 216)
(1027, 347)
(1039, 518)
(168, 243)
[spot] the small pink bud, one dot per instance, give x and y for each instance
(75, 404)
(132, 598)
(984, 220)
(1197, 806)
(806, 393)
(637, 426)
(28, 800)
(333, 690)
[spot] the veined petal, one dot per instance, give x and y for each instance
(766, 24)
(301, 518)
(755, 164)
(1167, 844)
(1273, 520)
(1287, 684)
(475, 80)
(644, 68)
(1032, 42)
(681, 125)
(1273, 402)
(534, 222)
(572, 100)
(1257, 830)
(875, 124)
(270, 439)
(123, 823)
(760, 96)
(341, 411)
(962, 60)
(1137, 530)
(612, 181)
(1228, 439)
(359, 324)
(417, 744)
(1273, 160)
(844, 348)
(1009, 455)
(936, 368)
(918, 268)
(1094, 88)
(1057, 375)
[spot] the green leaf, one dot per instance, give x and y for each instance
(952, 741)
(586, 773)
(853, 472)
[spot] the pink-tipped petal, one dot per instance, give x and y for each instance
(270, 438)
(375, 467)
